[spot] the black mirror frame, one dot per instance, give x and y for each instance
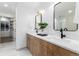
(54, 20)
(36, 19)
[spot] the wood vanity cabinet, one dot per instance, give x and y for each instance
(35, 45)
(64, 52)
(39, 47)
(42, 47)
(52, 50)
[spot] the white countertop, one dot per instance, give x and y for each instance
(66, 43)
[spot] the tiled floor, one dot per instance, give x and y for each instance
(9, 49)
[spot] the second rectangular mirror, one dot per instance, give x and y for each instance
(64, 16)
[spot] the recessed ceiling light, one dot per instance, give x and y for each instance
(3, 19)
(5, 5)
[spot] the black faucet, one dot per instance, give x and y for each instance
(65, 29)
(62, 35)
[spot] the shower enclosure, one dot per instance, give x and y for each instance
(6, 29)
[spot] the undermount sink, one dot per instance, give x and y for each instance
(58, 39)
(51, 37)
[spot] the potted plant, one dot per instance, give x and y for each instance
(42, 25)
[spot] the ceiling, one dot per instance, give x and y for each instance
(11, 9)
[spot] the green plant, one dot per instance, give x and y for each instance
(42, 25)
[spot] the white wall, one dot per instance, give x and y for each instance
(24, 23)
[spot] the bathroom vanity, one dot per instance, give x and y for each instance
(51, 46)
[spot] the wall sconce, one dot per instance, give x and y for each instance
(41, 11)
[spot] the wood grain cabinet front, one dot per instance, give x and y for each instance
(52, 50)
(39, 47)
(64, 52)
(33, 45)
(43, 48)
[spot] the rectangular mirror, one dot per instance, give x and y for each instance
(38, 19)
(64, 16)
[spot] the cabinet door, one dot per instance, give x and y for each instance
(52, 50)
(30, 44)
(64, 52)
(35, 46)
(43, 48)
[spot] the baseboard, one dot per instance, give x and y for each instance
(21, 48)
